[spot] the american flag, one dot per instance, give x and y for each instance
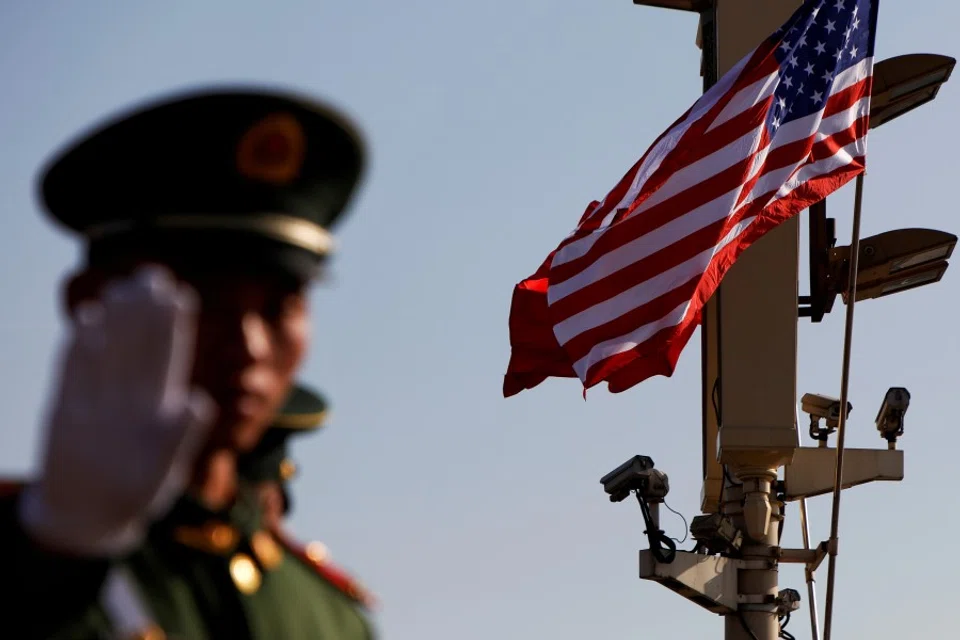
(620, 297)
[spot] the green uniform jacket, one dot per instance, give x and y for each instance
(200, 575)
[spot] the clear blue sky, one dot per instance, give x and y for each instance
(492, 124)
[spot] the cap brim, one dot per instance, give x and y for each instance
(237, 251)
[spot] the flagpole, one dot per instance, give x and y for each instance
(842, 426)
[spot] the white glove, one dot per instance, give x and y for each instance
(126, 427)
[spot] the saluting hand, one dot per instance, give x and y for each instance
(125, 425)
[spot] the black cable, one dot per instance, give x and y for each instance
(729, 478)
(664, 549)
(743, 623)
(686, 528)
(784, 621)
(783, 516)
(715, 399)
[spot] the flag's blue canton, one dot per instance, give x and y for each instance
(822, 39)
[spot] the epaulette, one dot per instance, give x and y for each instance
(9, 488)
(328, 571)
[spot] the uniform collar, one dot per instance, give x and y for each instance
(193, 524)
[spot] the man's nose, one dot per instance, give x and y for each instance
(255, 336)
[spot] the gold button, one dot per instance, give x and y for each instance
(288, 469)
(152, 632)
(245, 574)
(266, 548)
(222, 537)
(190, 538)
(317, 552)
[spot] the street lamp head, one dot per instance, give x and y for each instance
(919, 277)
(895, 261)
(893, 252)
(903, 83)
(900, 84)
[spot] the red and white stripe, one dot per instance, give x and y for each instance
(627, 286)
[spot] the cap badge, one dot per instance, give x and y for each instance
(272, 150)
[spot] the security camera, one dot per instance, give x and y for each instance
(636, 474)
(892, 411)
(716, 533)
(822, 408)
(651, 486)
(788, 601)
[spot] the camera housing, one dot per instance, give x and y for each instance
(636, 474)
(716, 533)
(822, 408)
(788, 601)
(892, 411)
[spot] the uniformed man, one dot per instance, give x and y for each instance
(205, 217)
(269, 468)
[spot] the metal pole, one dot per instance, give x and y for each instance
(842, 426)
(760, 294)
(811, 579)
(756, 615)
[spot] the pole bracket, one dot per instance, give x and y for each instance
(811, 558)
(707, 580)
(813, 470)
